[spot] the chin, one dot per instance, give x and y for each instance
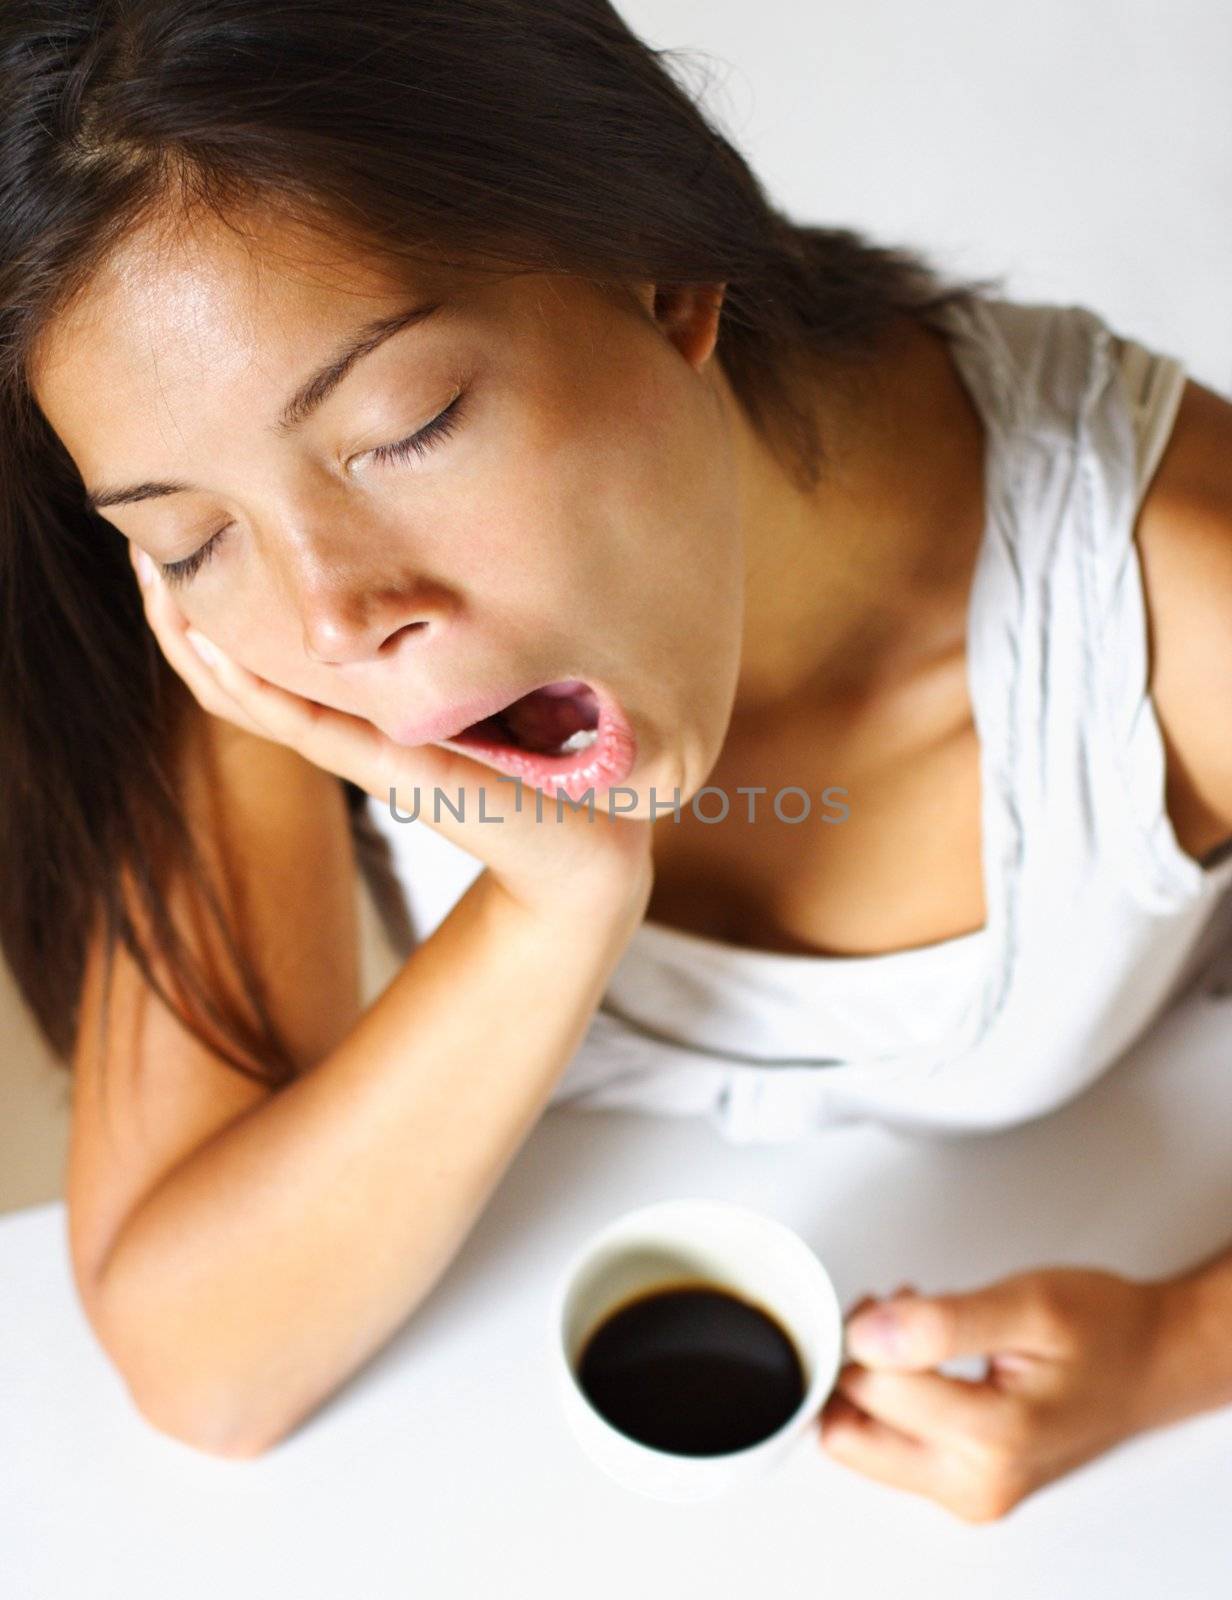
(660, 786)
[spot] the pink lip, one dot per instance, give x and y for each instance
(445, 724)
(608, 761)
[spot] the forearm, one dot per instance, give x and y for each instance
(274, 1261)
(1191, 1366)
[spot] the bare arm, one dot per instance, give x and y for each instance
(272, 1262)
(241, 1249)
(1191, 1369)
(1185, 534)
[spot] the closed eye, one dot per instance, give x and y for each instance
(419, 443)
(180, 571)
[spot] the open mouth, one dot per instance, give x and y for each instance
(565, 737)
(558, 719)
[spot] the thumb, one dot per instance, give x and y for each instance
(918, 1332)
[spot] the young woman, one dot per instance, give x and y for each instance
(457, 393)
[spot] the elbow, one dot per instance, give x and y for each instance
(207, 1417)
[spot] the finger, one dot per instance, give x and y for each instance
(406, 777)
(869, 1446)
(216, 694)
(918, 1332)
(871, 1300)
(446, 789)
(860, 1304)
(141, 563)
(169, 627)
(328, 738)
(409, 778)
(927, 1405)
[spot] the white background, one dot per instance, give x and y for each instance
(1082, 148)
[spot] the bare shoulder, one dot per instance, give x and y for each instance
(1184, 535)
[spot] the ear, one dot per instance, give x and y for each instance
(688, 315)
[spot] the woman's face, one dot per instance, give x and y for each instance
(578, 520)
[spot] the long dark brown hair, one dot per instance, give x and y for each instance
(521, 135)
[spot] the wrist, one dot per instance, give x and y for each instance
(1189, 1364)
(603, 907)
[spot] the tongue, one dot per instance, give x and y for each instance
(550, 717)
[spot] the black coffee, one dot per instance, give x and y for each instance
(693, 1370)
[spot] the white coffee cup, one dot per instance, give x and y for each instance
(673, 1242)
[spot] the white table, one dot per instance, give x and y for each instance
(444, 1468)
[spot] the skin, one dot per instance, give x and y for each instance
(602, 459)
(601, 453)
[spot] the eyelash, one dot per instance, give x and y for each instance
(441, 426)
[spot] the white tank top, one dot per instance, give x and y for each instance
(1096, 918)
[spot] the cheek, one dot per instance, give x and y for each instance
(618, 502)
(260, 630)
(274, 649)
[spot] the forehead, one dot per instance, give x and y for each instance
(204, 310)
(171, 300)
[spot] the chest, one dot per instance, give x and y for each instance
(888, 855)
(902, 867)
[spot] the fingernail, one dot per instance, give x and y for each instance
(875, 1333)
(202, 646)
(145, 569)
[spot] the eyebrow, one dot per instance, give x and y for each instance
(307, 398)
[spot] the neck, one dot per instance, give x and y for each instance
(854, 584)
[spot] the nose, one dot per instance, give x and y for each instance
(348, 622)
(358, 592)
